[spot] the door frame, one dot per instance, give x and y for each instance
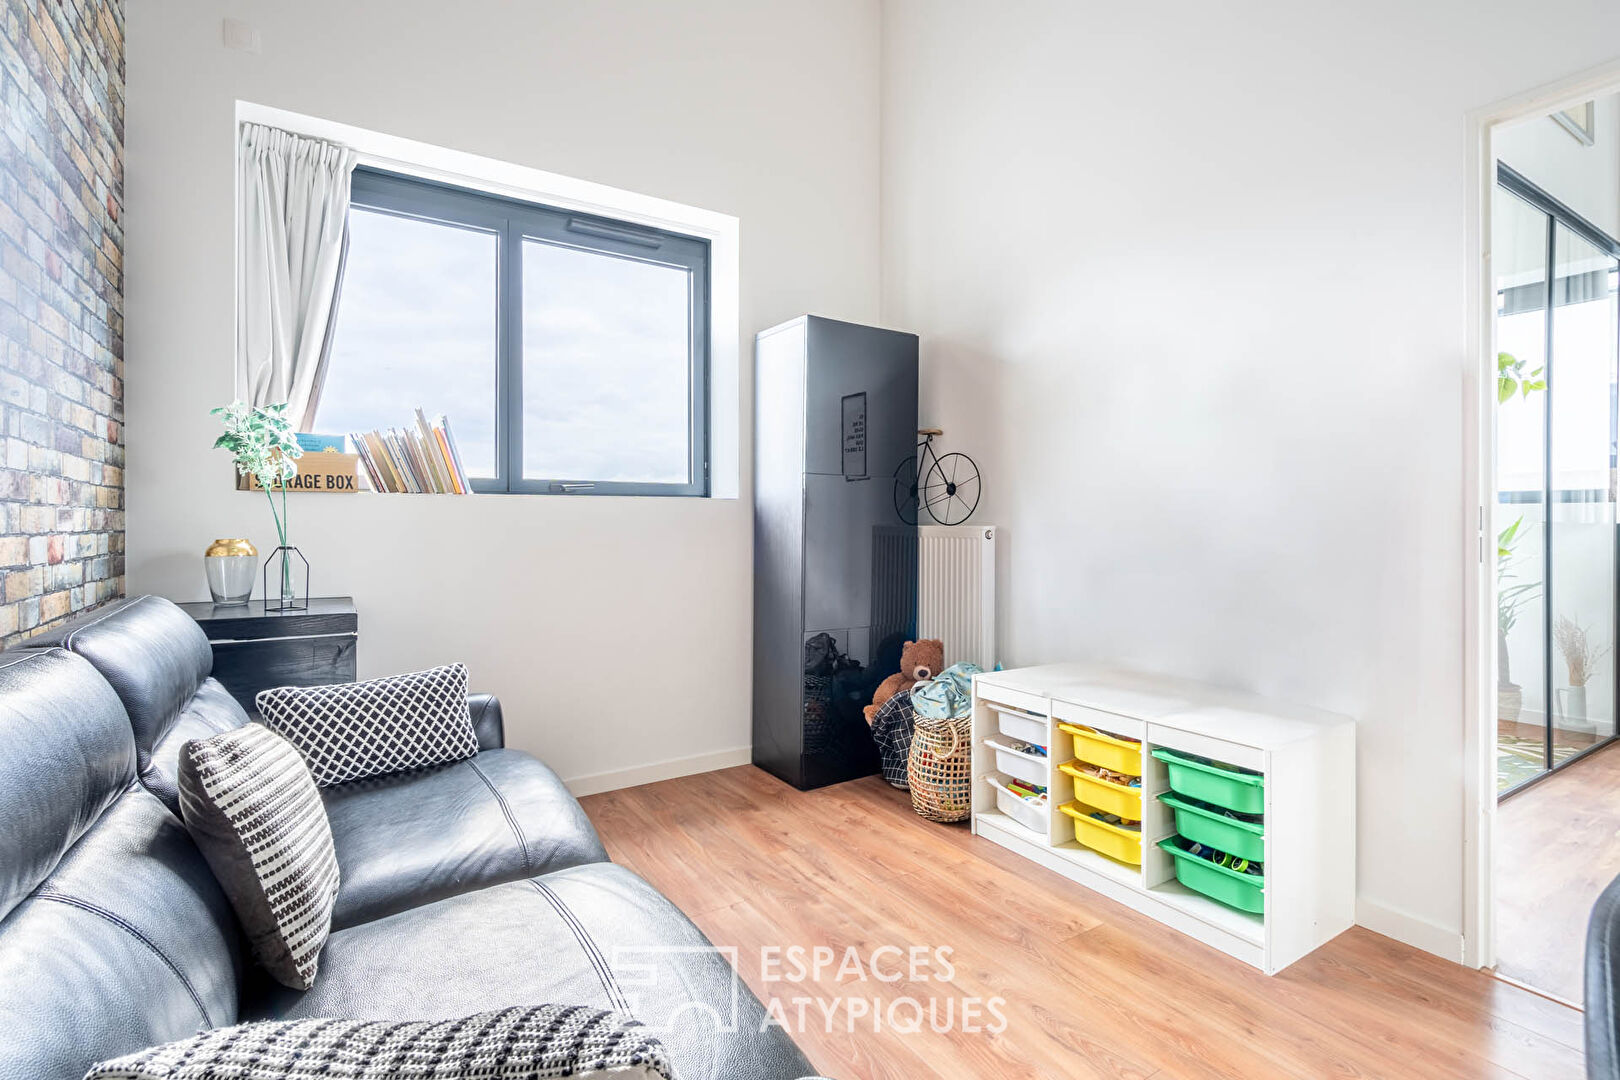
(1479, 494)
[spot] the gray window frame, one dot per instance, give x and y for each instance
(514, 221)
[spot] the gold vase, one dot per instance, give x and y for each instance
(230, 565)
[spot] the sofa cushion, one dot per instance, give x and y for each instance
(155, 656)
(128, 942)
(248, 801)
(357, 730)
(418, 837)
(210, 711)
(157, 659)
(528, 1043)
(65, 755)
(593, 935)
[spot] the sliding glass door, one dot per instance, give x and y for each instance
(1558, 326)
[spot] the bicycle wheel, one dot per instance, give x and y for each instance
(905, 491)
(950, 491)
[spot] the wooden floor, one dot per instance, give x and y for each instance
(1557, 846)
(1091, 988)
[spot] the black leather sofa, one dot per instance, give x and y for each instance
(468, 887)
(1603, 986)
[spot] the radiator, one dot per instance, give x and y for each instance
(956, 591)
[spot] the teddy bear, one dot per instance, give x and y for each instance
(919, 662)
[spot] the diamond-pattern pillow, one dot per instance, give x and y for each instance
(512, 1044)
(355, 730)
(247, 799)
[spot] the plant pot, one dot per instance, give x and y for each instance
(1509, 703)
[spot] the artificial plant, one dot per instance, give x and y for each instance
(263, 445)
(1511, 378)
(1509, 597)
(1579, 655)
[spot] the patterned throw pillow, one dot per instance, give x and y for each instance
(354, 730)
(538, 1041)
(248, 801)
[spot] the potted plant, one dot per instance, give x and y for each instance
(263, 445)
(1581, 660)
(1511, 597)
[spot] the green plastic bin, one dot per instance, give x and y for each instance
(1233, 789)
(1246, 892)
(1245, 839)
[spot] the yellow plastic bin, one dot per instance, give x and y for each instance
(1104, 795)
(1119, 755)
(1122, 845)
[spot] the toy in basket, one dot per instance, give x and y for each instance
(940, 768)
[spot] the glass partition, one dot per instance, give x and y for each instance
(1519, 261)
(1581, 535)
(1555, 514)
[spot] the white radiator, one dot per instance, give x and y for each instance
(956, 591)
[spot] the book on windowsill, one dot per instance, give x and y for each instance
(311, 443)
(420, 458)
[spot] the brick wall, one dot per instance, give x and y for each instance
(61, 310)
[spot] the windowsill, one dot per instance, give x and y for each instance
(323, 497)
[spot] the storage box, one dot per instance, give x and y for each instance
(1245, 839)
(1031, 815)
(1016, 763)
(1104, 795)
(1233, 789)
(1246, 892)
(324, 472)
(1021, 725)
(1123, 845)
(1105, 750)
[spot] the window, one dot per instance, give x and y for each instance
(569, 352)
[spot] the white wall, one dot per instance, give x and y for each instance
(615, 630)
(1191, 284)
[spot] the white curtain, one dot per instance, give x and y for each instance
(294, 201)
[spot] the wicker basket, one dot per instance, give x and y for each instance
(940, 769)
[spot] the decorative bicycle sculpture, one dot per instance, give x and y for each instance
(944, 486)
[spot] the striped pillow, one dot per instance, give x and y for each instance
(248, 801)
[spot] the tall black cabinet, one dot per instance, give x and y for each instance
(835, 563)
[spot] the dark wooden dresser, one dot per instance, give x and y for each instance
(255, 649)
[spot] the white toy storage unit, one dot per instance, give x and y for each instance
(1247, 807)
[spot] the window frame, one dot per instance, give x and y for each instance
(513, 221)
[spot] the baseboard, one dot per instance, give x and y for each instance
(595, 783)
(1411, 930)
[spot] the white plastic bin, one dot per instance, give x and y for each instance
(1031, 815)
(1021, 725)
(1028, 767)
